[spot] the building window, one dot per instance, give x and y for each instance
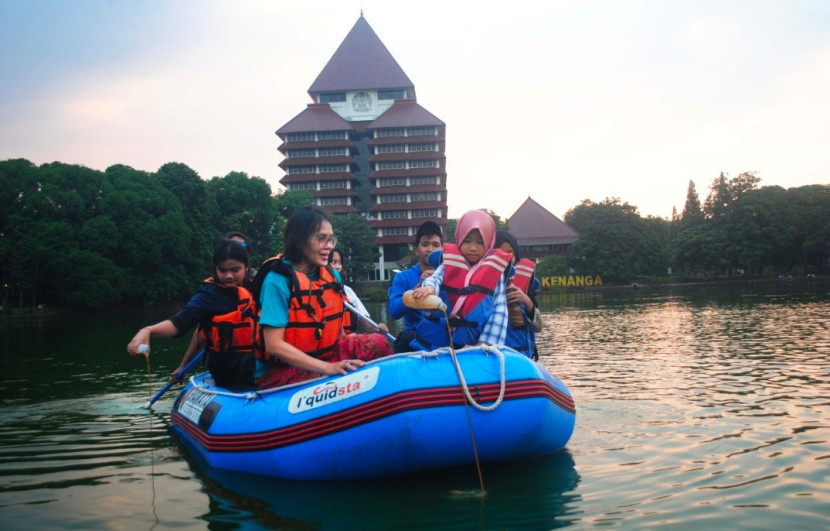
(331, 135)
(420, 131)
(392, 148)
(419, 181)
(423, 147)
(391, 165)
(332, 97)
(395, 231)
(303, 185)
(385, 133)
(391, 95)
(299, 137)
(328, 185)
(331, 168)
(298, 170)
(426, 213)
(426, 196)
(325, 201)
(423, 163)
(299, 153)
(394, 214)
(332, 152)
(391, 181)
(392, 198)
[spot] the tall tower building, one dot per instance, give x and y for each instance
(365, 145)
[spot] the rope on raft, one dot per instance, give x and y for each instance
(250, 396)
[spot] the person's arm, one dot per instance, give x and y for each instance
(164, 328)
(279, 348)
(494, 331)
(397, 309)
(431, 285)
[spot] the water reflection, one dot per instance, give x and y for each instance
(523, 494)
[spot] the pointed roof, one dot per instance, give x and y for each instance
(361, 62)
(316, 117)
(532, 224)
(406, 113)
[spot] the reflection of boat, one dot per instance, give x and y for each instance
(398, 415)
(533, 493)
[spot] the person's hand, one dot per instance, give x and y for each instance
(344, 366)
(141, 338)
(176, 376)
(422, 292)
(383, 329)
(517, 296)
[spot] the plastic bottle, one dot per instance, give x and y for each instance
(143, 349)
(430, 302)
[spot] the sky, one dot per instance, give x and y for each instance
(561, 101)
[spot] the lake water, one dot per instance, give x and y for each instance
(697, 408)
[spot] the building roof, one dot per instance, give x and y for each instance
(316, 117)
(532, 224)
(406, 113)
(361, 62)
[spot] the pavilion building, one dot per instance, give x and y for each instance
(364, 145)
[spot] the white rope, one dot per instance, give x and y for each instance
(488, 349)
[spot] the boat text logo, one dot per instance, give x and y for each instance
(334, 390)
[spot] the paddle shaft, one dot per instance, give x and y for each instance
(198, 357)
(373, 324)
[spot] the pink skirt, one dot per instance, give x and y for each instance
(364, 347)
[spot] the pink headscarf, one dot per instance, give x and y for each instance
(477, 219)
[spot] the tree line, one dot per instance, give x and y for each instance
(80, 237)
(740, 229)
(75, 236)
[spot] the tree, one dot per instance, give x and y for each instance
(245, 204)
(614, 241)
(356, 239)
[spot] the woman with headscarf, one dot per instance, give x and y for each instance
(524, 319)
(471, 282)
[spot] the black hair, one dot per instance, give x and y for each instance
(504, 236)
(338, 251)
(230, 249)
(427, 229)
(236, 234)
(301, 226)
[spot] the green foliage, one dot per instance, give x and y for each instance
(357, 241)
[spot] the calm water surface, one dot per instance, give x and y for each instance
(696, 408)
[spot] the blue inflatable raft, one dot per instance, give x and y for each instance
(398, 415)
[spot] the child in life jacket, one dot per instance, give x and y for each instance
(350, 320)
(226, 316)
(524, 319)
(471, 282)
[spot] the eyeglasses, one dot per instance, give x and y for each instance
(321, 240)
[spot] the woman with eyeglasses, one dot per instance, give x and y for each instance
(301, 307)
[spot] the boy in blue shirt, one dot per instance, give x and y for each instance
(428, 238)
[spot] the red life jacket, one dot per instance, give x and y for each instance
(467, 286)
(524, 274)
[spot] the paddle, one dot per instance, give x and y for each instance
(168, 385)
(371, 323)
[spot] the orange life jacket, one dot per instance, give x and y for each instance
(230, 339)
(315, 308)
(234, 332)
